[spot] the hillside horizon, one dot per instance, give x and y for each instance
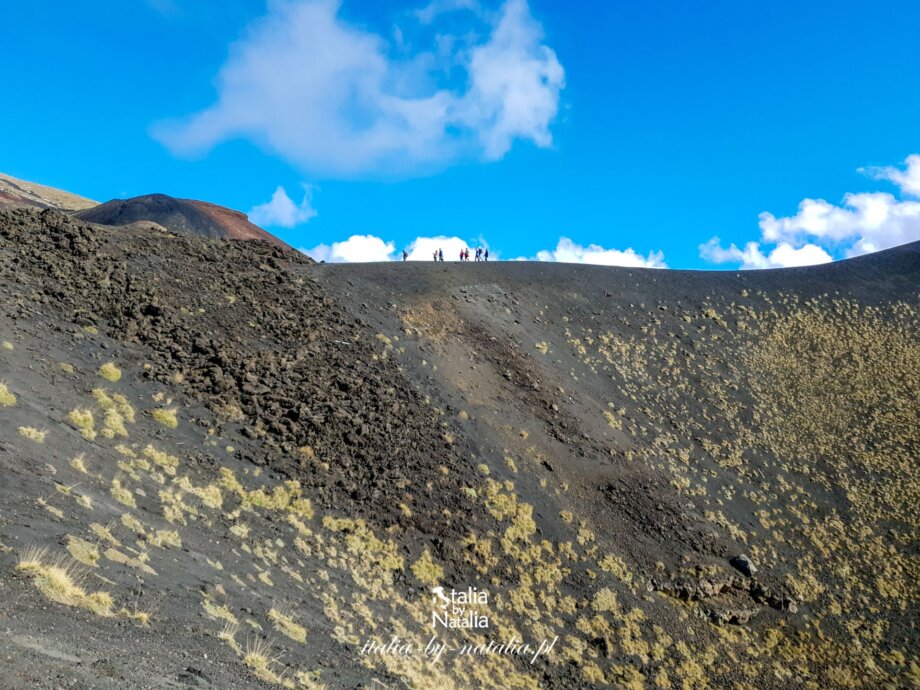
(211, 220)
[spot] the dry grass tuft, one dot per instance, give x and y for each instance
(166, 416)
(118, 557)
(286, 625)
(210, 495)
(33, 434)
(228, 635)
(240, 529)
(82, 418)
(117, 411)
(83, 551)
(133, 524)
(426, 570)
(78, 464)
(165, 538)
(7, 399)
(113, 425)
(57, 512)
(110, 372)
(142, 617)
(104, 533)
(217, 611)
(258, 658)
(169, 463)
(60, 581)
(121, 494)
(309, 680)
(116, 402)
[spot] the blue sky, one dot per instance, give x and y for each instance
(568, 131)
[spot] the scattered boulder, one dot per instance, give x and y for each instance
(744, 565)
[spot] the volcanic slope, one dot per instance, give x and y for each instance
(226, 466)
(14, 192)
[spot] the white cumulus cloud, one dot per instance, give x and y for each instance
(865, 222)
(568, 251)
(356, 249)
(908, 179)
(282, 212)
(783, 255)
(330, 98)
(515, 84)
(423, 248)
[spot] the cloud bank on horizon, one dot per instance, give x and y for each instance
(818, 233)
(567, 251)
(865, 222)
(364, 248)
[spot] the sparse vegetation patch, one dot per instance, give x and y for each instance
(60, 582)
(7, 399)
(110, 372)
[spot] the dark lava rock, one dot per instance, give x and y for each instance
(744, 565)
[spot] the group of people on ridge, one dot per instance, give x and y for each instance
(482, 254)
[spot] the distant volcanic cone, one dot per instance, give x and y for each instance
(185, 216)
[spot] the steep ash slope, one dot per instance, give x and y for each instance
(690, 418)
(276, 460)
